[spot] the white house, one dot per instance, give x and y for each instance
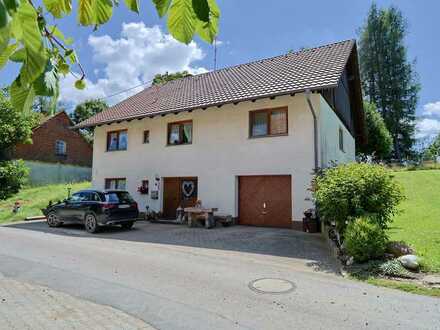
(244, 139)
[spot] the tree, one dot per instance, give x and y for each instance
(388, 79)
(86, 110)
(15, 127)
(44, 53)
(166, 77)
(380, 142)
(433, 151)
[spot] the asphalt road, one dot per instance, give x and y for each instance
(200, 279)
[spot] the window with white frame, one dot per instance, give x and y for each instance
(60, 148)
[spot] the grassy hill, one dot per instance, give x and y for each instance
(419, 221)
(34, 199)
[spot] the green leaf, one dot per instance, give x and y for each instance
(4, 15)
(70, 54)
(18, 56)
(11, 5)
(5, 34)
(36, 57)
(94, 12)
(80, 84)
(209, 30)
(133, 5)
(162, 6)
(16, 29)
(56, 32)
(182, 20)
(201, 8)
(64, 68)
(4, 56)
(58, 8)
(22, 97)
(47, 82)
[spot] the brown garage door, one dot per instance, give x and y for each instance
(265, 200)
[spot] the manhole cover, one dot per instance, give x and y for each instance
(272, 285)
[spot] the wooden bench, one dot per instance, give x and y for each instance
(196, 213)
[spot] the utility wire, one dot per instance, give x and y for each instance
(126, 90)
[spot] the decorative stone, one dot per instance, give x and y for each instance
(409, 261)
(399, 249)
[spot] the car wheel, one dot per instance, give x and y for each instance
(91, 224)
(127, 225)
(53, 220)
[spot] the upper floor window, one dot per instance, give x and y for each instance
(180, 132)
(60, 148)
(268, 122)
(117, 140)
(341, 139)
(117, 183)
(146, 137)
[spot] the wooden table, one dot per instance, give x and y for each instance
(195, 213)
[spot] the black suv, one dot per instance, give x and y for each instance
(94, 208)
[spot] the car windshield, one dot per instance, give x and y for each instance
(118, 197)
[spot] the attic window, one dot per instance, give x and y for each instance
(60, 148)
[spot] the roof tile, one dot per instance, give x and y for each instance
(315, 68)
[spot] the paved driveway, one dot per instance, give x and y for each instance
(173, 277)
(307, 251)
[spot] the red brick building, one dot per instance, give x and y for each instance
(55, 142)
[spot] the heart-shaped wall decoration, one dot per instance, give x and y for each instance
(188, 188)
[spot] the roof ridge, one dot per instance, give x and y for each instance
(265, 59)
(252, 62)
(227, 83)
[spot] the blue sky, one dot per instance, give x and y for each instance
(120, 56)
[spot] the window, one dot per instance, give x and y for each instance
(93, 197)
(118, 183)
(180, 133)
(341, 139)
(119, 197)
(117, 140)
(60, 148)
(77, 197)
(146, 137)
(270, 122)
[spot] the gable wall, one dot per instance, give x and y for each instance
(79, 152)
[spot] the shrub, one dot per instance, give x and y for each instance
(353, 190)
(365, 239)
(395, 269)
(13, 175)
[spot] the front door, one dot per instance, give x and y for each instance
(178, 191)
(265, 200)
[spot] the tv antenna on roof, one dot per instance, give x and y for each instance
(215, 53)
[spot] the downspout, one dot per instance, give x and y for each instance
(315, 129)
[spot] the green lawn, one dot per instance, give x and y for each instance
(419, 222)
(34, 199)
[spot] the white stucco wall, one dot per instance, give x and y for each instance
(329, 125)
(220, 152)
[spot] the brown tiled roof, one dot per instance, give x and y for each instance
(312, 69)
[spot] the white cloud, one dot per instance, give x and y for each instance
(134, 58)
(432, 109)
(427, 128)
